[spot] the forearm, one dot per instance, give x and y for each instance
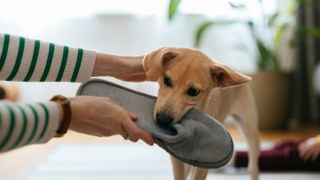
(23, 59)
(24, 124)
(128, 68)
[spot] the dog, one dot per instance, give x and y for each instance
(188, 79)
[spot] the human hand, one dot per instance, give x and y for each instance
(100, 116)
(127, 68)
(309, 149)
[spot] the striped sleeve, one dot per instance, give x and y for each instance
(24, 124)
(23, 59)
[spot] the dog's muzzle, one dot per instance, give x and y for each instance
(164, 119)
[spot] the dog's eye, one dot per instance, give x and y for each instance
(167, 81)
(193, 92)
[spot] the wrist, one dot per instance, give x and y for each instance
(105, 65)
(120, 67)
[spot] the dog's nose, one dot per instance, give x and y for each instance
(164, 119)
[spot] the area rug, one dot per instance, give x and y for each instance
(128, 161)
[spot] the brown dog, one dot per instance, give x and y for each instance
(187, 78)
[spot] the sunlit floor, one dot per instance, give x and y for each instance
(81, 157)
(123, 161)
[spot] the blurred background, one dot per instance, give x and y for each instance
(275, 42)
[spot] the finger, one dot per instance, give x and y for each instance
(303, 154)
(302, 150)
(314, 155)
(132, 116)
(317, 154)
(140, 134)
(135, 132)
(147, 138)
(124, 134)
(133, 139)
(307, 155)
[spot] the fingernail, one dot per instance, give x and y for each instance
(134, 115)
(151, 143)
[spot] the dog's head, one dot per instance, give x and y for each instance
(185, 77)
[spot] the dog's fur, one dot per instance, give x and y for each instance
(187, 78)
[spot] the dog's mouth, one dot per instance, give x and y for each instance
(164, 119)
(167, 124)
(167, 117)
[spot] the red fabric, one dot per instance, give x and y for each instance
(283, 156)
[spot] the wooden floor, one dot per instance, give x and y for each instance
(278, 135)
(19, 163)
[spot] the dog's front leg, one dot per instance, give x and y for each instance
(178, 169)
(199, 173)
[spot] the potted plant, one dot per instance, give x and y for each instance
(271, 82)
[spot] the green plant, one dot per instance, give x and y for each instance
(267, 45)
(173, 6)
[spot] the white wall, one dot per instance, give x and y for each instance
(124, 33)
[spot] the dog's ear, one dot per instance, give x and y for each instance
(156, 62)
(225, 76)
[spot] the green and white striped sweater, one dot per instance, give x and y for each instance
(23, 59)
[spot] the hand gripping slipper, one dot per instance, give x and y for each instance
(197, 139)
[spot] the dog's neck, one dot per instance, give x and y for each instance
(214, 104)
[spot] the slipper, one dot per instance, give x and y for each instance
(197, 139)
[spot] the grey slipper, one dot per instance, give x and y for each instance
(197, 139)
